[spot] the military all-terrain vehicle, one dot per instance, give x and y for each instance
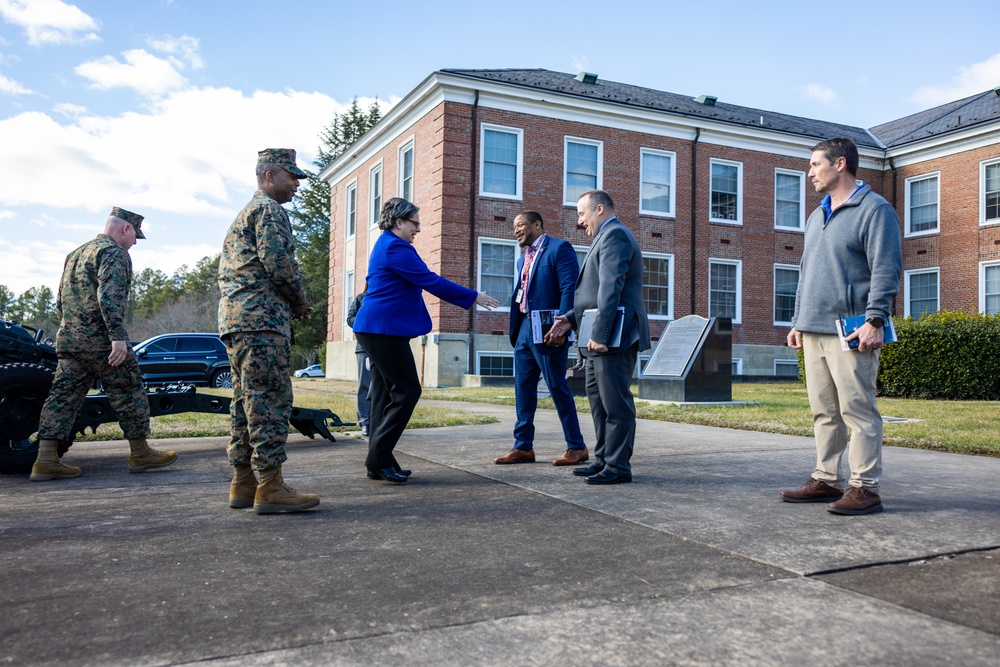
(27, 366)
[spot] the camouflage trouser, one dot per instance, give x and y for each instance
(262, 397)
(75, 375)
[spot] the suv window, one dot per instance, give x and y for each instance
(195, 344)
(163, 345)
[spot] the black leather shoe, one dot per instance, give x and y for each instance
(388, 474)
(592, 469)
(608, 477)
(404, 472)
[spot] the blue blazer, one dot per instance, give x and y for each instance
(394, 305)
(551, 284)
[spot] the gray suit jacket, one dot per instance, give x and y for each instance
(611, 276)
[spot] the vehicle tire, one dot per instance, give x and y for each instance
(23, 389)
(222, 379)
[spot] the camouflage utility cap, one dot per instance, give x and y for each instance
(284, 158)
(131, 218)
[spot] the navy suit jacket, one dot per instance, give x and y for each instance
(551, 284)
(611, 276)
(394, 305)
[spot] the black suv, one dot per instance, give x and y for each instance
(193, 358)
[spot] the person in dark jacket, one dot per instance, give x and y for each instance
(391, 314)
(364, 372)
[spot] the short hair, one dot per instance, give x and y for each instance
(840, 147)
(599, 197)
(394, 209)
(264, 167)
(531, 217)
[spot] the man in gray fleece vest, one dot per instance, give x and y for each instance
(851, 265)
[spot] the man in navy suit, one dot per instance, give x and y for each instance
(547, 273)
(611, 277)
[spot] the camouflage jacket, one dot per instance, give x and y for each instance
(93, 294)
(259, 279)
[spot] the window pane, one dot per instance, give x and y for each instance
(786, 368)
(787, 204)
(500, 162)
(656, 285)
(923, 294)
(786, 282)
(352, 210)
(581, 169)
(923, 205)
(725, 189)
(656, 183)
(496, 365)
(376, 196)
(497, 273)
(722, 291)
(992, 289)
(407, 171)
(993, 191)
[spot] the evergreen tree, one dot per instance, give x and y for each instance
(310, 216)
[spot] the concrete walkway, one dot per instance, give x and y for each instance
(695, 563)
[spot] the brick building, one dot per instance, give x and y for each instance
(715, 193)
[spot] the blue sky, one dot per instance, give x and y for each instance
(160, 106)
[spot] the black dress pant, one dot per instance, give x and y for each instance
(395, 390)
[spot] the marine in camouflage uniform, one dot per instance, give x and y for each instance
(261, 291)
(92, 343)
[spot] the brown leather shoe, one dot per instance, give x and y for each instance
(857, 500)
(572, 457)
(516, 456)
(814, 491)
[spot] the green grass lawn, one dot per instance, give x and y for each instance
(968, 427)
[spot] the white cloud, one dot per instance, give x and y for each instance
(819, 93)
(6, 215)
(70, 110)
(190, 154)
(12, 87)
(31, 263)
(183, 48)
(142, 71)
(50, 21)
(975, 78)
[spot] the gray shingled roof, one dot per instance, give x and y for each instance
(646, 98)
(950, 117)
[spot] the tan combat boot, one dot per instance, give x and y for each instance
(47, 464)
(143, 457)
(243, 487)
(273, 495)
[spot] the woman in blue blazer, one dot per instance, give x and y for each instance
(392, 313)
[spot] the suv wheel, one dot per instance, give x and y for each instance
(222, 379)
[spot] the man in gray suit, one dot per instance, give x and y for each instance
(611, 276)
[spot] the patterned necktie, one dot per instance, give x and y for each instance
(529, 257)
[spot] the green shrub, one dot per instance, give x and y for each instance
(950, 355)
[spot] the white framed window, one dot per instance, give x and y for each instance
(406, 171)
(657, 175)
(348, 291)
(737, 366)
(989, 192)
(375, 194)
(581, 254)
(786, 368)
(725, 289)
(726, 192)
(658, 285)
(497, 264)
(922, 204)
(495, 363)
(501, 162)
(351, 210)
(583, 167)
(923, 294)
(786, 284)
(789, 199)
(989, 288)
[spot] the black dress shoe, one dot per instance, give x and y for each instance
(592, 469)
(388, 474)
(608, 477)
(404, 472)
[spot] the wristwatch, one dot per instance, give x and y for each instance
(876, 322)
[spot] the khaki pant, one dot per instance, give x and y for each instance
(841, 388)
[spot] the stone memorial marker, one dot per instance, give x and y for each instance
(692, 362)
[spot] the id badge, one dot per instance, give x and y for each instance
(520, 295)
